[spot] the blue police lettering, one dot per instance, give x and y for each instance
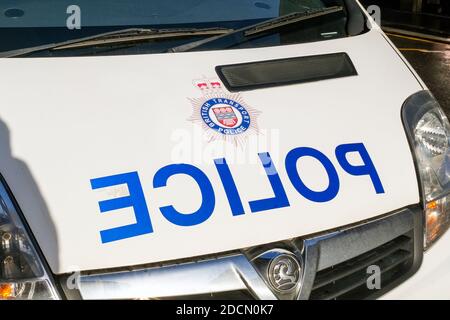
(229, 186)
(333, 180)
(367, 169)
(280, 199)
(136, 200)
(206, 189)
(143, 225)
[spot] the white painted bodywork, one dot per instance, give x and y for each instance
(64, 121)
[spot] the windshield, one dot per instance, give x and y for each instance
(29, 23)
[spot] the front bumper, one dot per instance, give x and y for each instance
(432, 280)
(336, 265)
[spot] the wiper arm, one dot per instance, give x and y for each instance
(119, 37)
(265, 26)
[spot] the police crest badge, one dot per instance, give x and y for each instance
(223, 115)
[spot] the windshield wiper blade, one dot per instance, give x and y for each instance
(119, 37)
(268, 25)
(290, 18)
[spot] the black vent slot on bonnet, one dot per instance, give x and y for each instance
(272, 73)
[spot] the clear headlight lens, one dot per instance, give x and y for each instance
(22, 273)
(429, 132)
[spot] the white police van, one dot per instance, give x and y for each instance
(268, 149)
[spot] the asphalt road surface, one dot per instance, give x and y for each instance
(431, 60)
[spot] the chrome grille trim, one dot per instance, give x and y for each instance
(210, 276)
(236, 271)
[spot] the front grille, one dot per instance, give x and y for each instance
(348, 280)
(335, 267)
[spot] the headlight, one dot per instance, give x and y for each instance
(22, 273)
(429, 132)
